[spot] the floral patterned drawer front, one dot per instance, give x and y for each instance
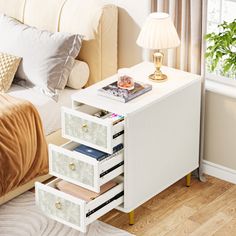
(74, 169)
(86, 130)
(59, 207)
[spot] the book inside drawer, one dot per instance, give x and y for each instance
(82, 169)
(73, 211)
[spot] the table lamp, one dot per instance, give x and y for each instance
(158, 32)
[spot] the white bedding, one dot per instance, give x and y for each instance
(49, 110)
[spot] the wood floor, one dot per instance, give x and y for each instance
(203, 209)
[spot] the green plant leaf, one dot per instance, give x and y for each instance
(221, 48)
(226, 67)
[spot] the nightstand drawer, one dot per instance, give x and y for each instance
(80, 125)
(81, 169)
(73, 211)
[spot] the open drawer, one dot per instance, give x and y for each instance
(80, 125)
(81, 169)
(73, 211)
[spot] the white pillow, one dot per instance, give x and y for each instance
(47, 58)
(79, 75)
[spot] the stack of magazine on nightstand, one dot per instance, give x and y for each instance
(123, 95)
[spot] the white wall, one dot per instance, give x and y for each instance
(220, 130)
(132, 14)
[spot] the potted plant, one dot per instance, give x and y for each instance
(221, 50)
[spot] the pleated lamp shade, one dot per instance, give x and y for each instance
(158, 32)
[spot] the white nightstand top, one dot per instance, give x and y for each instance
(177, 80)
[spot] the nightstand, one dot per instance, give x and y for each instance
(160, 135)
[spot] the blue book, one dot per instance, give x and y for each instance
(94, 153)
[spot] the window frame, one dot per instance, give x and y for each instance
(212, 76)
(220, 79)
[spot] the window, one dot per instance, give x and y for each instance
(217, 12)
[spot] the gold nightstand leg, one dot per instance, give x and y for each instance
(188, 179)
(131, 218)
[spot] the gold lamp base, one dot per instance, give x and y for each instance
(157, 76)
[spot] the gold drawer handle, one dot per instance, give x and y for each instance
(72, 166)
(85, 128)
(58, 205)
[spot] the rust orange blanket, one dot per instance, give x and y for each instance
(23, 148)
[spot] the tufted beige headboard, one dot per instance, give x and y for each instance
(97, 22)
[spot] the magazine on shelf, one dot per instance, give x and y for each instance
(123, 95)
(115, 118)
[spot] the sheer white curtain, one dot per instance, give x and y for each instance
(187, 16)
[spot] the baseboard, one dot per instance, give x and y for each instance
(219, 171)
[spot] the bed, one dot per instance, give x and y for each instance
(97, 22)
